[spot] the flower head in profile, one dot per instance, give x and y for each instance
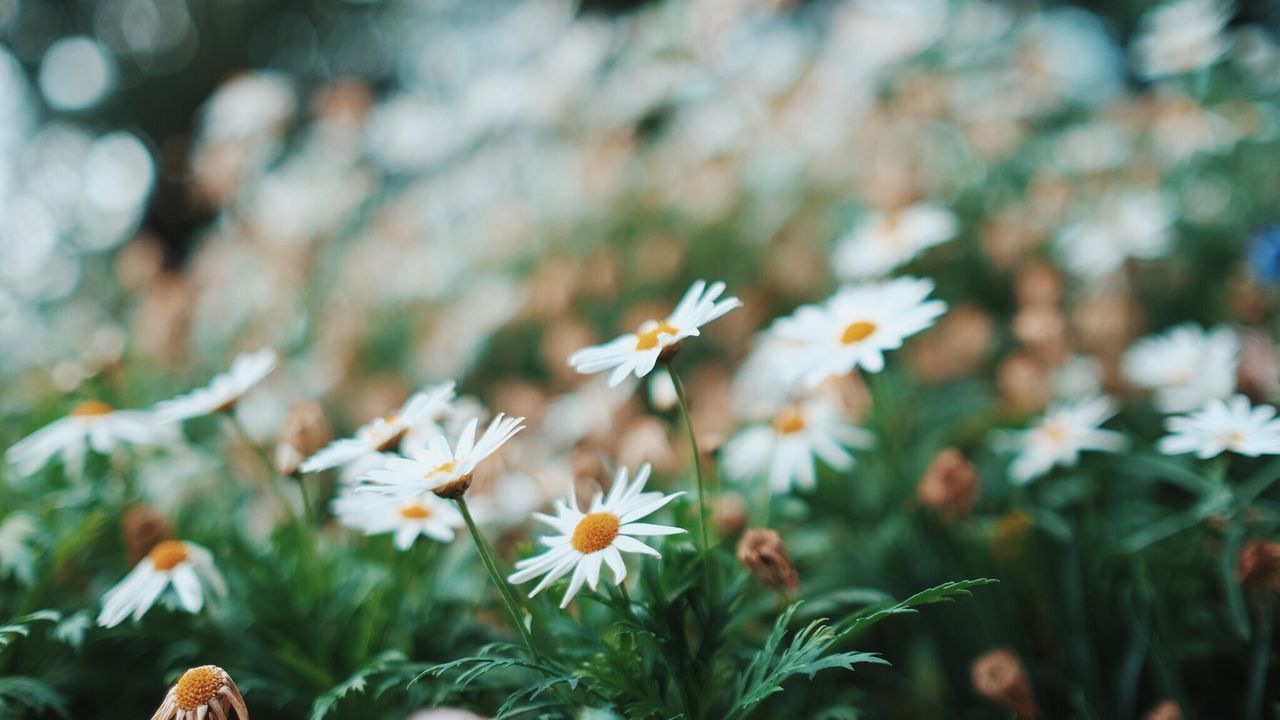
(405, 517)
(637, 353)
(855, 327)
(1221, 426)
(882, 242)
(587, 541)
(224, 391)
(439, 468)
(201, 692)
(784, 449)
(183, 567)
(1185, 366)
(385, 434)
(1058, 438)
(92, 425)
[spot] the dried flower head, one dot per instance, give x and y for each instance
(765, 555)
(200, 692)
(1259, 564)
(729, 513)
(950, 484)
(1000, 677)
(144, 528)
(306, 430)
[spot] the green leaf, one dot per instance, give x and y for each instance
(21, 626)
(945, 592)
(36, 696)
(356, 683)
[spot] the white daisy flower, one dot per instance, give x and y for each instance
(1224, 425)
(1058, 438)
(596, 537)
(406, 517)
(1180, 37)
(1134, 224)
(783, 450)
(92, 425)
(882, 242)
(638, 352)
(385, 434)
(855, 327)
(1185, 366)
(184, 566)
(223, 392)
(201, 692)
(440, 469)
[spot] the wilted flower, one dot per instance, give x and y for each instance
(92, 425)
(764, 554)
(1186, 366)
(440, 469)
(202, 692)
(1259, 564)
(407, 518)
(597, 537)
(1000, 677)
(223, 392)
(950, 484)
(1224, 425)
(783, 450)
(637, 353)
(1058, 438)
(386, 433)
(882, 242)
(306, 430)
(184, 566)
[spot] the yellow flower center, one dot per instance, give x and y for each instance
(595, 532)
(790, 420)
(648, 339)
(416, 511)
(442, 469)
(167, 554)
(857, 332)
(197, 687)
(1055, 432)
(389, 442)
(91, 408)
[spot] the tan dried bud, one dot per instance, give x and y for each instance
(139, 262)
(956, 348)
(1248, 301)
(1106, 324)
(1259, 564)
(143, 528)
(306, 430)
(647, 439)
(163, 317)
(729, 513)
(445, 714)
(950, 485)
(1024, 383)
(1166, 710)
(1000, 677)
(1043, 330)
(1039, 283)
(764, 554)
(1259, 370)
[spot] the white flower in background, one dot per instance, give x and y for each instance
(586, 541)
(587, 410)
(883, 241)
(419, 414)
(1181, 36)
(1078, 378)
(16, 558)
(784, 449)
(662, 391)
(406, 518)
(1134, 224)
(92, 425)
(1058, 438)
(855, 327)
(1186, 366)
(1224, 425)
(638, 352)
(440, 469)
(185, 567)
(224, 391)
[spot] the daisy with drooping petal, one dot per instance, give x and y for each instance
(185, 567)
(1058, 438)
(882, 242)
(783, 450)
(440, 469)
(1224, 425)
(406, 518)
(1185, 366)
(384, 434)
(597, 537)
(855, 327)
(92, 425)
(224, 391)
(637, 353)
(202, 692)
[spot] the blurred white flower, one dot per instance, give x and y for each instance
(638, 352)
(185, 567)
(881, 242)
(92, 425)
(223, 392)
(662, 391)
(784, 450)
(406, 518)
(384, 434)
(1058, 438)
(252, 106)
(16, 558)
(586, 411)
(1221, 426)
(587, 541)
(1181, 36)
(1185, 365)
(1134, 224)
(440, 469)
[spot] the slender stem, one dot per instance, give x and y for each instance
(491, 564)
(273, 477)
(697, 459)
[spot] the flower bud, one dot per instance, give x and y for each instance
(306, 430)
(764, 554)
(950, 484)
(1259, 564)
(1000, 677)
(144, 528)
(729, 513)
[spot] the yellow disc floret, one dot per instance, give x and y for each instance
(167, 554)
(415, 511)
(789, 421)
(857, 332)
(91, 408)
(648, 339)
(595, 532)
(198, 686)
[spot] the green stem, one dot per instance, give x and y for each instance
(491, 564)
(273, 477)
(697, 459)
